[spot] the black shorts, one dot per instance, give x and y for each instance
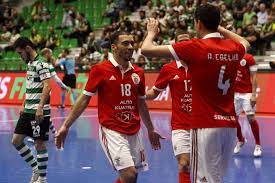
(27, 125)
(70, 80)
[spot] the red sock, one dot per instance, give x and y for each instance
(184, 177)
(239, 133)
(255, 130)
(118, 181)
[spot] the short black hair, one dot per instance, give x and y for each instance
(115, 36)
(23, 42)
(209, 15)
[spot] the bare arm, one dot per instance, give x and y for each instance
(154, 137)
(148, 49)
(144, 113)
(44, 97)
(235, 37)
(254, 82)
(152, 94)
(81, 104)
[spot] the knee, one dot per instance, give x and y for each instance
(40, 145)
(129, 175)
(16, 142)
(251, 118)
(183, 165)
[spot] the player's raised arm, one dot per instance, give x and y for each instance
(79, 107)
(235, 37)
(148, 49)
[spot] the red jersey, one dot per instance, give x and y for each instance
(118, 95)
(178, 78)
(212, 62)
(243, 82)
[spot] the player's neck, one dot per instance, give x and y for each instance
(33, 55)
(121, 61)
(205, 32)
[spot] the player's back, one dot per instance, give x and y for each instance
(213, 75)
(213, 66)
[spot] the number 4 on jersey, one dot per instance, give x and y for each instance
(224, 86)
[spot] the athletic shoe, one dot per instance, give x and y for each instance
(29, 139)
(258, 151)
(239, 146)
(35, 176)
(41, 180)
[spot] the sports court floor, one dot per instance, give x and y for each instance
(83, 161)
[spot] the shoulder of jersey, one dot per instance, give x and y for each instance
(170, 65)
(137, 68)
(248, 56)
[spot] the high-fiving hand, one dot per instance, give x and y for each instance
(153, 26)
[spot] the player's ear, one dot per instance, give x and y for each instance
(28, 48)
(113, 46)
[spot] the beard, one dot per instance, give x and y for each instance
(28, 57)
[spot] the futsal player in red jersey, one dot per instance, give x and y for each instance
(177, 76)
(245, 100)
(212, 61)
(121, 101)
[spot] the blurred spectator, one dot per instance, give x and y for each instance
(163, 22)
(190, 7)
(149, 8)
(142, 18)
(53, 40)
(110, 8)
(105, 54)
(217, 3)
(226, 15)
(132, 5)
(123, 27)
(6, 34)
(160, 6)
(253, 38)
(256, 25)
(20, 23)
(136, 30)
(247, 17)
(239, 31)
(255, 4)
(91, 43)
(273, 9)
(178, 7)
(14, 36)
(238, 10)
(96, 57)
(267, 34)
(81, 30)
(262, 14)
(82, 61)
(37, 39)
(141, 61)
(68, 17)
(40, 12)
(137, 53)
